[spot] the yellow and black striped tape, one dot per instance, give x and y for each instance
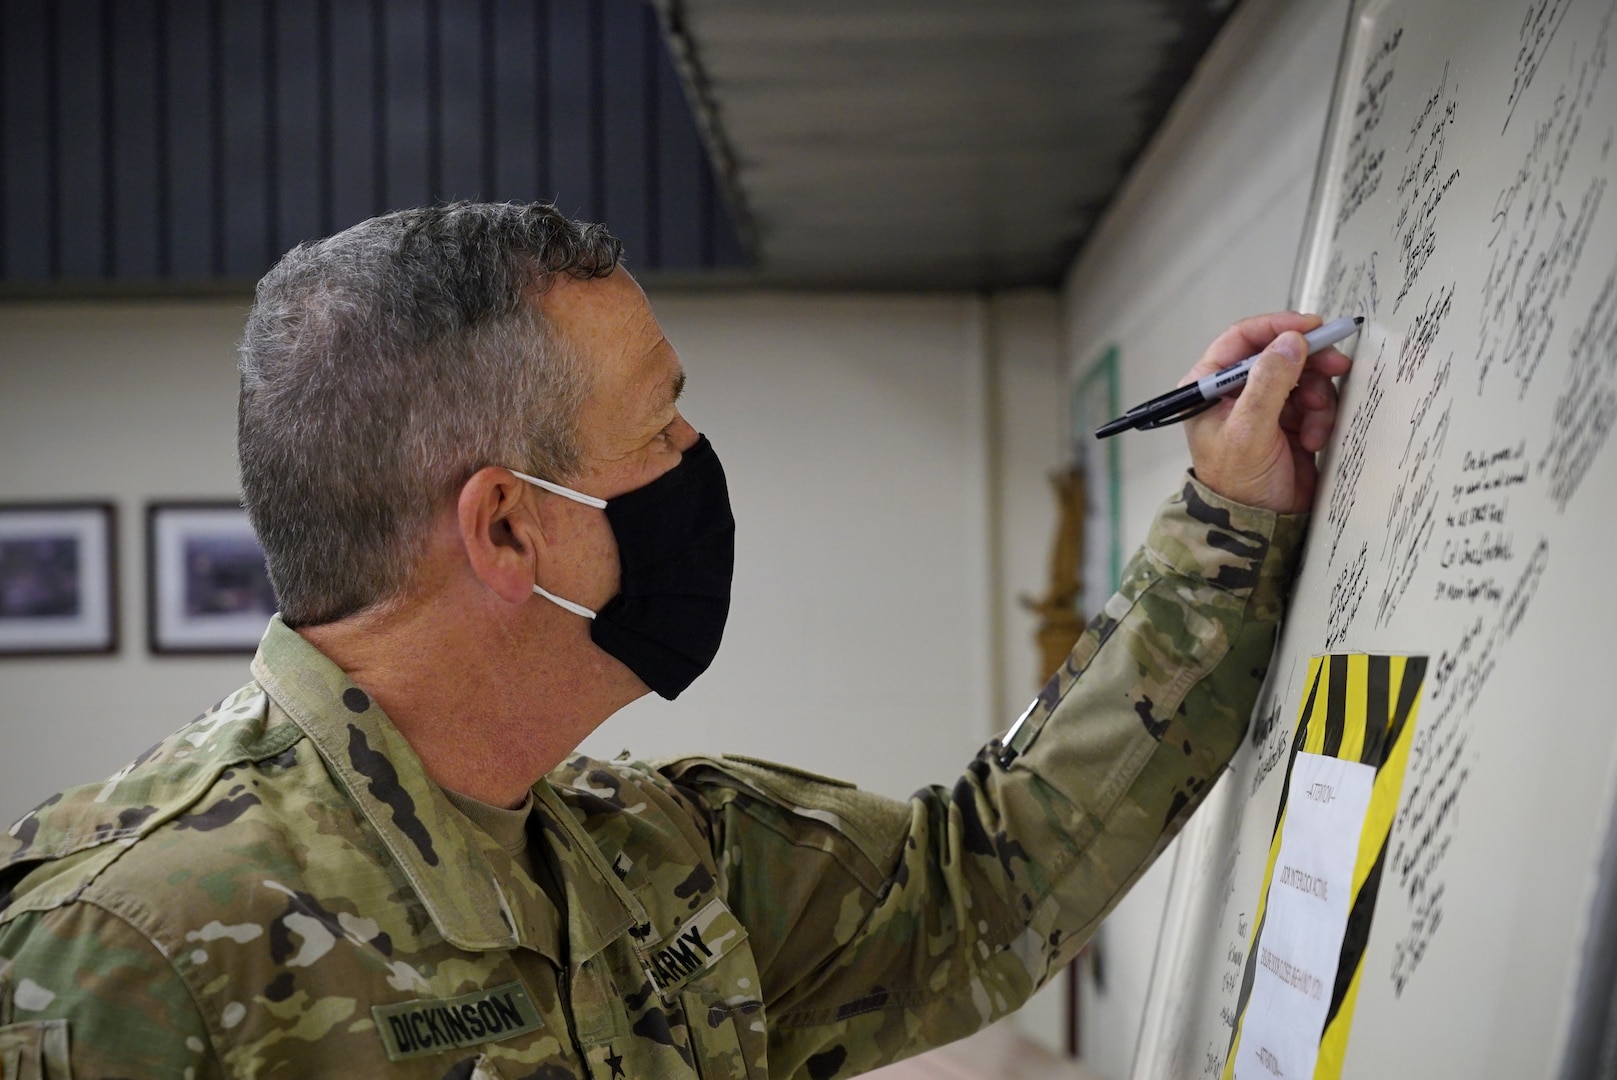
(1361, 708)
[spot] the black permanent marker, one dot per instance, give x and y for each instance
(1187, 401)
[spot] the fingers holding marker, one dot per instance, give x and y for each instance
(1272, 372)
(1279, 405)
(1316, 429)
(1331, 361)
(1310, 411)
(1319, 400)
(1315, 389)
(1246, 338)
(1270, 383)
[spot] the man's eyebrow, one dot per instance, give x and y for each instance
(679, 386)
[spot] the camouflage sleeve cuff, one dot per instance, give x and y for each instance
(1250, 552)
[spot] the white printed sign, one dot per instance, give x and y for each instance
(1305, 918)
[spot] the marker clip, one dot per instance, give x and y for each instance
(1176, 418)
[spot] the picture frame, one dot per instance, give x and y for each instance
(58, 578)
(207, 588)
(1095, 401)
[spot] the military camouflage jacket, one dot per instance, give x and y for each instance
(279, 890)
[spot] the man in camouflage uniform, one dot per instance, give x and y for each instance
(382, 858)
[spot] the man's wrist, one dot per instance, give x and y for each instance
(1246, 550)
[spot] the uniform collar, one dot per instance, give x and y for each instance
(474, 892)
(599, 906)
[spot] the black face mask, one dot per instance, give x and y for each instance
(676, 552)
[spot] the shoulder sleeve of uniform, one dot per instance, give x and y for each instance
(892, 928)
(860, 831)
(801, 854)
(81, 987)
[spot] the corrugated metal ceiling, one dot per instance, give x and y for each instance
(932, 143)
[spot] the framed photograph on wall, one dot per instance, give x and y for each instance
(207, 590)
(58, 578)
(1095, 401)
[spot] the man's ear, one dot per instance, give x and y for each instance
(501, 542)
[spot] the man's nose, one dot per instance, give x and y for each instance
(684, 435)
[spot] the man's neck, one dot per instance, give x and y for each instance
(489, 714)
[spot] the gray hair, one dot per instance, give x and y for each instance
(382, 367)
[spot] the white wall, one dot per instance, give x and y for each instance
(866, 640)
(126, 402)
(855, 433)
(1205, 230)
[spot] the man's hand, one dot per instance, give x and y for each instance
(1258, 447)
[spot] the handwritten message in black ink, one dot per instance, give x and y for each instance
(1437, 393)
(1423, 333)
(1232, 969)
(1350, 461)
(1411, 517)
(1539, 24)
(1353, 290)
(1234, 961)
(1361, 176)
(1541, 223)
(1270, 737)
(1346, 595)
(1423, 184)
(1271, 750)
(1439, 765)
(1587, 407)
(1476, 537)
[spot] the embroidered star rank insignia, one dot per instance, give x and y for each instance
(614, 1061)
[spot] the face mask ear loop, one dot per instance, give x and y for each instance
(566, 605)
(578, 497)
(564, 492)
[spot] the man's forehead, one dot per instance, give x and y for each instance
(608, 319)
(614, 302)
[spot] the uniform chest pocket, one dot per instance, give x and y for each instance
(705, 966)
(728, 1038)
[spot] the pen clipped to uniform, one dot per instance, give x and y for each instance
(1204, 393)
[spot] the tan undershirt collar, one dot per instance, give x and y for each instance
(509, 828)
